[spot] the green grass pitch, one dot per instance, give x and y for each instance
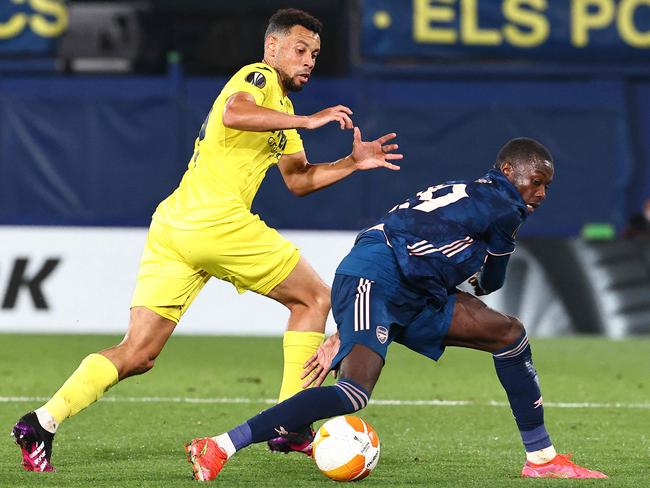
(135, 437)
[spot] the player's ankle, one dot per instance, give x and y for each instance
(225, 443)
(46, 420)
(541, 456)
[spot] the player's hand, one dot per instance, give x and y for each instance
(374, 154)
(317, 366)
(473, 281)
(339, 113)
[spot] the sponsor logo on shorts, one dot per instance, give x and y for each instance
(256, 78)
(382, 334)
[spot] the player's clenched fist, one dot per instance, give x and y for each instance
(339, 113)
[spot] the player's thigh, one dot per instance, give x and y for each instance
(477, 326)
(245, 252)
(302, 286)
(425, 329)
(166, 283)
(362, 313)
(148, 330)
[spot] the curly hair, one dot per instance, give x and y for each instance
(284, 19)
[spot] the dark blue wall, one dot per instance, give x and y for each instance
(102, 151)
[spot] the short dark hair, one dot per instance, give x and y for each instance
(286, 18)
(522, 150)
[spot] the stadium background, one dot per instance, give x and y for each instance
(100, 103)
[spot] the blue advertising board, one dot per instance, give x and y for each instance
(31, 26)
(595, 31)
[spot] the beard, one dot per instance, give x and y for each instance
(288, 83)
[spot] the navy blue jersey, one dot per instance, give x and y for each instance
(441, 236)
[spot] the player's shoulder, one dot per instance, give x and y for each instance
(491, 185)
(497, 195)
(481, 188)
(257, 74)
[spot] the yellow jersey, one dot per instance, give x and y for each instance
(228, 165)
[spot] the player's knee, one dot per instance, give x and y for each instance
(322, 301)
(145, 364)
(513, 331)
(136, 362)
(316, 299)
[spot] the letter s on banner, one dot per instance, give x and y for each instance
(51, 19)
(536, 24)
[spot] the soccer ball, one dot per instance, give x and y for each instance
(346, 448)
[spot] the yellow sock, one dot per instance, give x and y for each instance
(93, 377)
(298, 348)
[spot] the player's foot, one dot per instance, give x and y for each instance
(293, 442)
(560, 466)
(206, 458)
(35, 443)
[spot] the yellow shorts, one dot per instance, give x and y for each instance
(176, 264)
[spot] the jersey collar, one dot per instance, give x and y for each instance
(277, 75)
(509, 189)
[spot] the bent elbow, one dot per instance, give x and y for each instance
(297, 191)
(229, 119)
(296, 186)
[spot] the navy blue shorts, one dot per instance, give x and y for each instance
(375, 314)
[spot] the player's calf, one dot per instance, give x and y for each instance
(352, 398)
(300, 410)
(517, 374)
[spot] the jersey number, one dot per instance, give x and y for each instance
(431, 203)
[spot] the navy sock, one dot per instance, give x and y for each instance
(240, 436)
(300, 410)
(514, 365)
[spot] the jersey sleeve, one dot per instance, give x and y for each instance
(501, 236)
(294, 142)
(254, 80)
(493, 273)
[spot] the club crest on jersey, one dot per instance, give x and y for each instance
(382, 334)
(256, 78)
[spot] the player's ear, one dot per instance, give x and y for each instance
(271, 45)
(507, 169)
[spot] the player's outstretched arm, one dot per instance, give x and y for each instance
(242, 113)
(339, 114)
(302, 177)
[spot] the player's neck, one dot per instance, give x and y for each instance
(277, 73)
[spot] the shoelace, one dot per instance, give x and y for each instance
(566, 459)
